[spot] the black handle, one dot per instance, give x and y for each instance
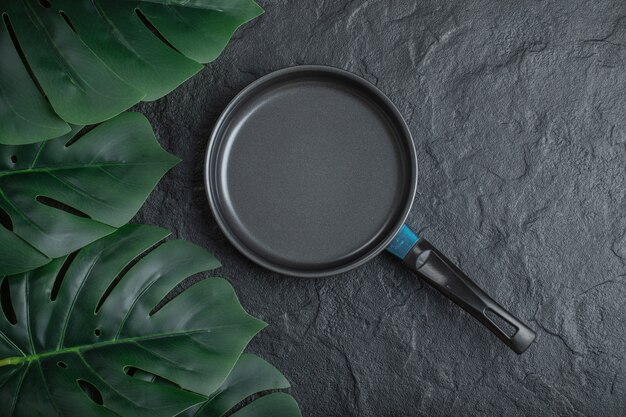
(438, 271)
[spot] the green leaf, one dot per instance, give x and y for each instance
(251, 375)
(85, 61)
(72, 351)
(56, 198)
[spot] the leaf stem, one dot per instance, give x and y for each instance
(16, 360)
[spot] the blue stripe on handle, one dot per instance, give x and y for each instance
(403, 242)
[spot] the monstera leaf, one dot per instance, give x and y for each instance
(84, 61)
(74, 332)
(60, 195)
(250, 376)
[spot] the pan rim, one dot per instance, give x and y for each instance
(211, 157)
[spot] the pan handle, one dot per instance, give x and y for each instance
(438, 271)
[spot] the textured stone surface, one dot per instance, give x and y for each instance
(518, 112)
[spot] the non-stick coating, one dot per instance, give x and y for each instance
(311, 171)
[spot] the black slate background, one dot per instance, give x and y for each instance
(518, 113)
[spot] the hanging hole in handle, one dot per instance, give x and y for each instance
(504, 326)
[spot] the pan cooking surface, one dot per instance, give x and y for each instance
(310, 171)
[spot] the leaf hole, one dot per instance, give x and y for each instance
(56, 286)
(92, 392)
(20, 52)
(82, 132)
(45, 3)
(122, 273)
(62, 364)
(14, 159)
(97, 332)
(147, 376)
(51, 202)
(130, 370)
(249, 400)
(175, 292)
(5, 220)
(67, 20)
(5, 300)
(153, 29)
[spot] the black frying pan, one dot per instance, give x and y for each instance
(311, 171)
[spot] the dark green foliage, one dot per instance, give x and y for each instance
(56, 198)
(85, 61)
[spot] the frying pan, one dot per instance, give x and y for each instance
(311, 171)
